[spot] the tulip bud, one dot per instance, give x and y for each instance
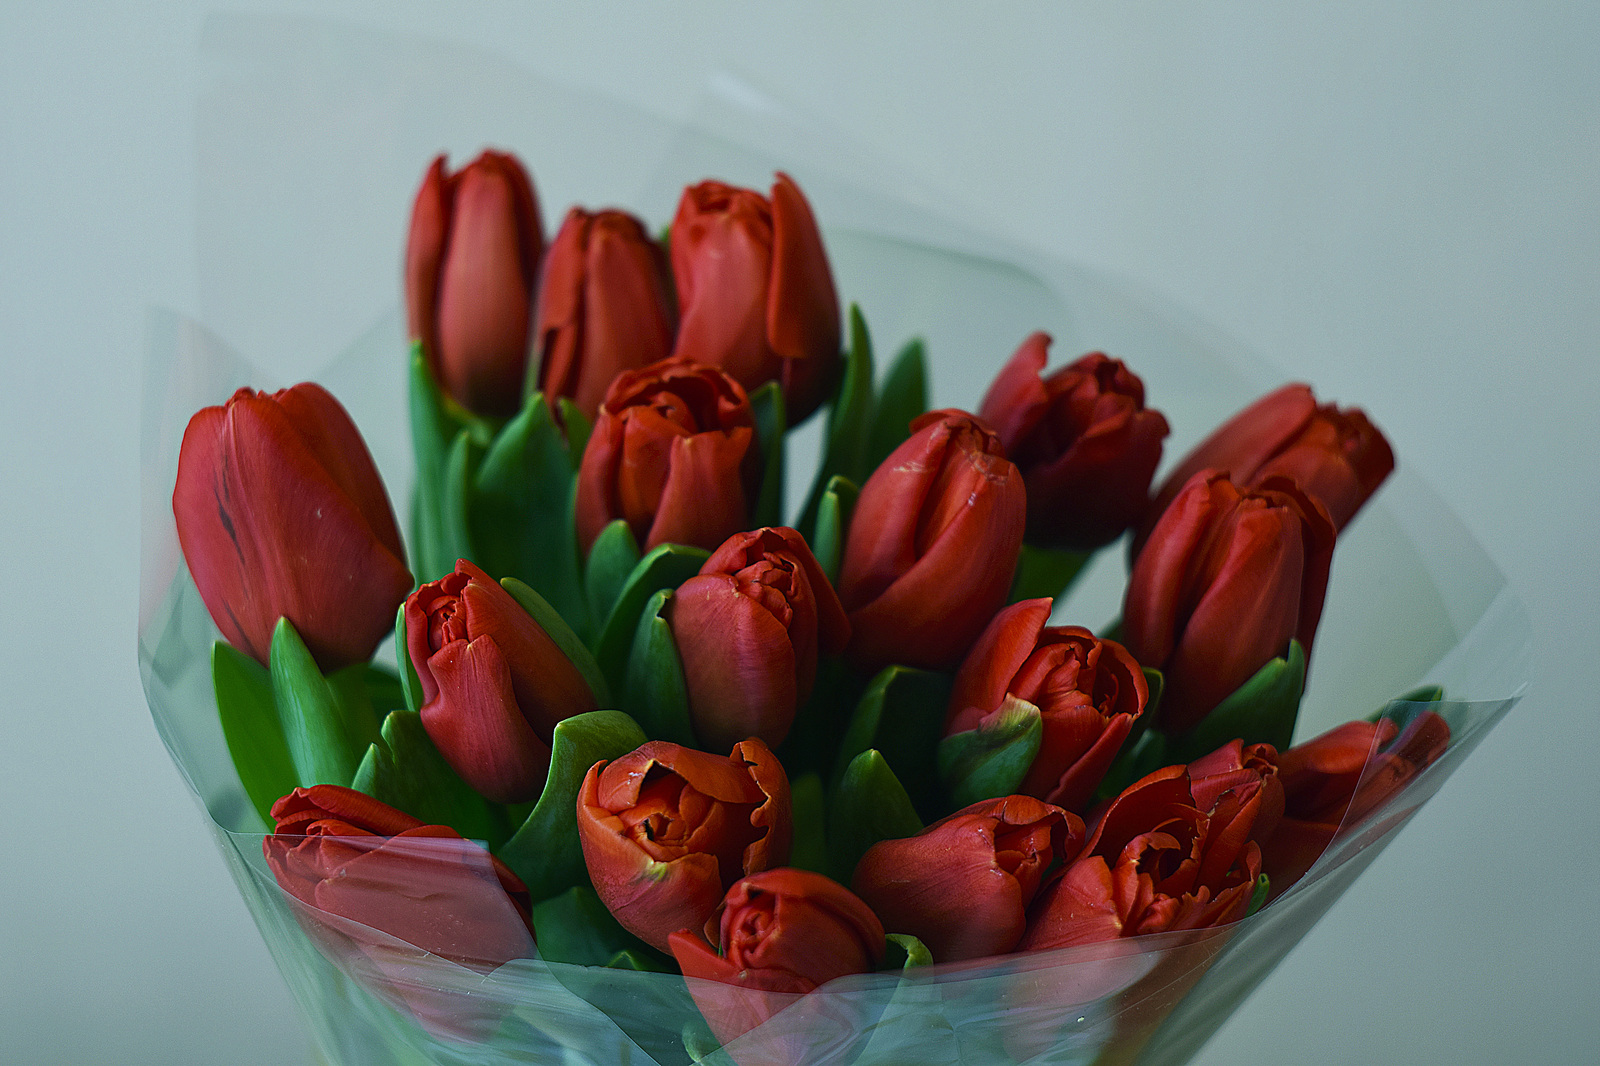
(666, 830)
(781, 933)
(605, 306)
(281, 514)
(1228, 577)
(472, 264)
(1089, 693)
(1336, 456)
(673, 453)
(755, 290)
(963, 885)
(748, 629)
(494, 684)
(933, 544)
(1083, 439)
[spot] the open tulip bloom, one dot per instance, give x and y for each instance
(662, 770)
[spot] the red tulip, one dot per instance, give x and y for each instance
(1337, 779)
(932, 545)
(963, 885)
(281, 513)
(494, 684)
(605, 306)
(1156, 862)
(1245, 775)
(472, 264)
(674, 454)
(748, 629)
(666, 830)
(1336, 456)
(782, 933)
(1083, 439)
(345, 853)
(756, 291)
(1226, 579)
(1089, 693)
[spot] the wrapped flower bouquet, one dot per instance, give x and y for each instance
(644, 735)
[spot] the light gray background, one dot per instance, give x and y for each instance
(1400, 205)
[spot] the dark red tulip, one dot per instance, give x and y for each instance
(345, 853)
(281, 513)
(1089, 693)
(933, 544)
(667, 830)
(1083, 439)
(1156, 862)
(781, 933)
(963, 885)
(1337, 779)
(674, 454)
(1336, 456)
(472, 265)
(494, 684)
(748, 628)
(756, 291)
(1227, 578)
(1245, 776)
(605, 306)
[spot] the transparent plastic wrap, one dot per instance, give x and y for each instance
(1412, 599)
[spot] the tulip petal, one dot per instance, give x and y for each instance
(738, 663)
(702, 501)
(424, 253)
(1015, 401)
(802, 306)
(985, 675)
(477, 724)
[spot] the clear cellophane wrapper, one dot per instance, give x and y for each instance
(302, 113)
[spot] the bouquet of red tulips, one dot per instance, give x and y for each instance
(654, 770)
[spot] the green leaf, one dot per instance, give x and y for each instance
(901, 714)
(612, 558)
(809, 807)
(437, 423)
(1262, 710)
(327, 722)
(657, 695)
(520, 510)
(869, 805)
(384, 689)
(993, 759)
(410, 684)
(1258, 895)
(578, 429)
(905, 952)
(555, 627)
(404, 769)
(1045, 572)
(455, 529)
(849, 426)
(1139, 756)
(575, 927)
(666, 566)
(545, 851)
(902, 398)
(250, 726)
(766, 404)
(833, 524)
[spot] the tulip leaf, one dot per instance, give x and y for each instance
(455, 528)
(1045, 572)
(869, 805)
(1262, 710)
(902, 398)
(833, 524)
(575, 927)
(545, 851)
(666, 566)
(556, 628)
(991, 760)
(901, 714)
(403, 769)
(384, 689)
(1258, 895)
(327, 721)
(809, 806)
(1156, 683)
(437, 425)
(410, 684)
(612, 558)
(656, 694)
(846, 438)
(519, 510)
(250, 726)
(578, 429)
(905, 952)
(766, 404)
(1140, 755)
